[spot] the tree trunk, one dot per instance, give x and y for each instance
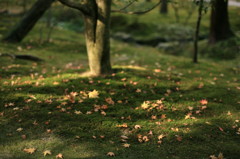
(200, 10)
(28, 21)
(97, 27)
(219, 25)
(164, 7)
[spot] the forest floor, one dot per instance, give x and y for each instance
(153, 105)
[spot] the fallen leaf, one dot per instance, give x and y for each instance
(124, 125)
(145, 139)
(103, 113)
(59, 156)
(24, 137)
(111, 154)
(19, 129)
(47, 152)
(179, 138)
(138, 91)
(145, 105)
(109, 100)
(77, 112)
(124, 137)
(93, 94)
(221, 129)
(203, 102)
(126, 145)
(29, 150)
(160, 137)
(137, 127)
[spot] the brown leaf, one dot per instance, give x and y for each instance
(109, 100)
(160, 137)
(137, 127)
(179, 138)
(59, 156)
(111, 154)
(203, 102)
(126, 145)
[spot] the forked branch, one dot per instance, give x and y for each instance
(79, 6)
(125, 7)
(139, 12)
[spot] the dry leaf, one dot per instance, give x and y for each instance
(203, 102)
(145, 139)
(103, 113)
(110, 154)
(137, 127)
(138, 91)
(160, 137)
(220, 156)
(93, 94)
(77, 112)
(47, 152)
(59, 156)
(126, 145)
(19, 129)
(109, 100)
(29, 150)
(24, 137)
(124, 137)
(145, 105)
(124, 125)
(179, 138)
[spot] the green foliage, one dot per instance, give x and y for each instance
(224, 50)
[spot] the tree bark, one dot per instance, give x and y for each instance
(164, 7)
(219, 25)
(28, 21)
(97, 27)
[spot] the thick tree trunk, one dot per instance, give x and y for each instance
(219, 25)
(97, 37)
(164, 7)
(28, 21)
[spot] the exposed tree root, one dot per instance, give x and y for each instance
(23, 57)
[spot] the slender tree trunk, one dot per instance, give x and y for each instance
(164, 7)
(219, 25)
(97, 29)
(195, 54)
(28, 21)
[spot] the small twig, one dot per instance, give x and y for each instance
(125, 7)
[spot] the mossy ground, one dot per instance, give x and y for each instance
(43, 99)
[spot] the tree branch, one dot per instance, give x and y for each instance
(125, 7)
(79, 6)
(140, 12)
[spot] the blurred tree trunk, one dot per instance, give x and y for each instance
(219, 25)
(96, 15)
(164, 7)
(197, 30)
(28, 21)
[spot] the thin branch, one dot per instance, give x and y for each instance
(125, 7)
(78, 6)
(140, 12)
